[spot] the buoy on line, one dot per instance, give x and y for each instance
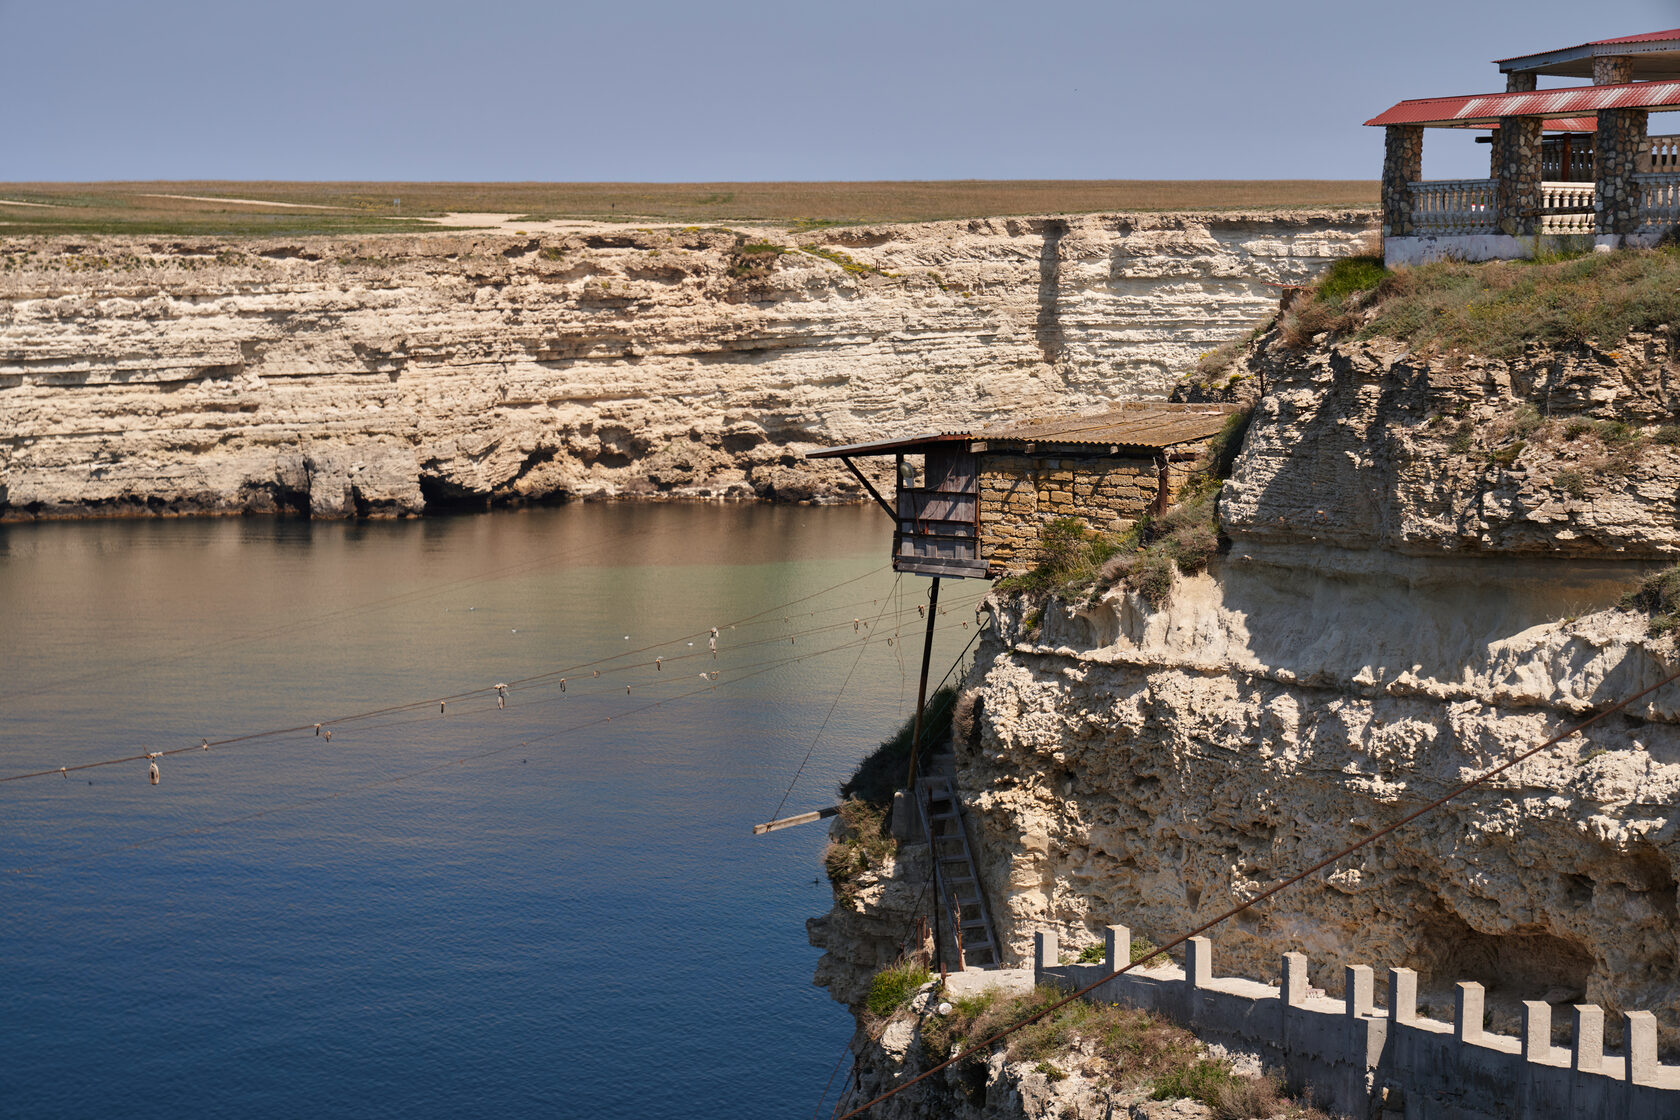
(501, 695)
(659, 664)
(152, 771)
(327, 735)
(317, 729)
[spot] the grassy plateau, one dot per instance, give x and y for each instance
(288, 209)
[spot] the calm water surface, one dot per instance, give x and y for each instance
(484, 913)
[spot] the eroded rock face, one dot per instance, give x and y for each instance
(1155, 768)
(1364, 446)
(385, 375)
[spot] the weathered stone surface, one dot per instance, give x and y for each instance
(1363, 446)
(380, 375)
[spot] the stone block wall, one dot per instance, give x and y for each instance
(1402, 166)
(1620, 144)
(1020, 493)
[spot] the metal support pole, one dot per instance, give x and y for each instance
(921, 689)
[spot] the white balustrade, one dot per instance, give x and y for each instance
(1665, 154)
(1659, 200)
(1566, 196)
(1453, 206)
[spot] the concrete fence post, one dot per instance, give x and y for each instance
(1467, 1012)
(1588, 1056)
(1402, 995)
(1536, 1031)
(1198, 962)
(1641, 1047)
(1117, 947)
(1360, 987)
(1294, 979)
(1045, 951)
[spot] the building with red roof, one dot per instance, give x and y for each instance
(1568, 164)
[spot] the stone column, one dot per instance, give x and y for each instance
(1520, 83)
(1517, 187)
(1618, 147)
(1611, 71)
(1402, 166)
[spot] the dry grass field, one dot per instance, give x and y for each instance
(277, 208)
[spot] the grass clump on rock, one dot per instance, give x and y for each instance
(893, 986)
(1658, 596)
(1121, 1048)
(1496, 309)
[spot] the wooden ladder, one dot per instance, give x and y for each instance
(956, 882)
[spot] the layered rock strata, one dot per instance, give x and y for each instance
(387, 375)
(1425, 557)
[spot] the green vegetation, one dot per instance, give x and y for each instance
(852, 265)
(864, 844)
(1496, 309)
(1658, 595)
(1147, 556)
(369, 207)
(1334, 302)
(893, 986)
(1141, 948)
(1122, 1049)
(1092, 954)
(882, 770)
(1073, 555)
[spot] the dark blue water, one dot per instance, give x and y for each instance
(484, 913)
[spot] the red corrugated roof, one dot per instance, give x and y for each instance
(1490, 107)
(1648, 37)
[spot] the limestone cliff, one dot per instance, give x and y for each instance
(382, 375)
(1425, 554)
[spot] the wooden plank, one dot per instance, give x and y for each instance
(923, 506)
(789, 822)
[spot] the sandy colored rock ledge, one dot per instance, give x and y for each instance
(383, 376)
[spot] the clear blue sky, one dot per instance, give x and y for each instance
(657, 90)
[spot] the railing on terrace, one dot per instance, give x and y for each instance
(1659, 200)
(1665, 154)
(1566, 208)
(1453, 206)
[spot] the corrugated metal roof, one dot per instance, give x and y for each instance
(1148, 426)
(903, 443)
(1489, 107)
(1672, 35)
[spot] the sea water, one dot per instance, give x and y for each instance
(556, 908)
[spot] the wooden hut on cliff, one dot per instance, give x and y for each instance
(971, 503)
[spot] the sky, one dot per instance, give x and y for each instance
(752, 90)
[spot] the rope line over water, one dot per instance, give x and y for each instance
(601, 666)
(1457, 791)
(755, 671)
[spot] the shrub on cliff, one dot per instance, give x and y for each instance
(1658, 596)
(1072, 554)
(1122, 1048)
(1334, 303)
(882, 770)
(863, 844)
(893, 986)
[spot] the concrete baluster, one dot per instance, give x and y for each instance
(1402, 995)
(1046, 953)
(1588, 1056)
(1117, 947)
(1294, 979)
(1198, 962)
(1641, 1047)
(1536, 1031)
(1468, 1014)
(1360, 986)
